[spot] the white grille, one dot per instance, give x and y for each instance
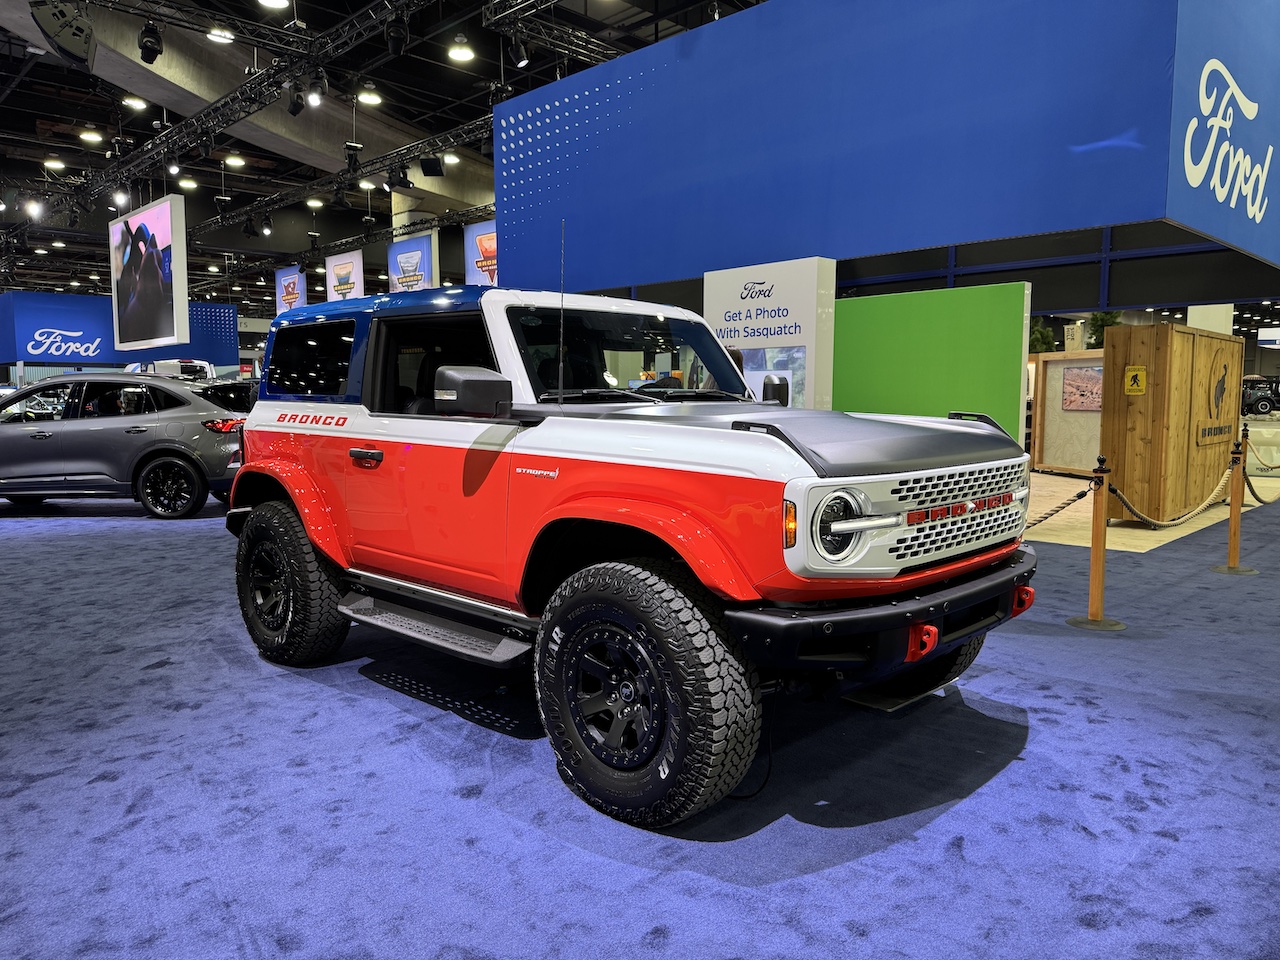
(953, 535)
(954, 486)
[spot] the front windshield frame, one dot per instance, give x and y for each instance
(615, 350)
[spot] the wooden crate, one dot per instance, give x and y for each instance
(1168, 445)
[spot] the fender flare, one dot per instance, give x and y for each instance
(307, 500)
(693, 540)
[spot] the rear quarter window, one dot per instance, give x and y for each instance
(311, 359)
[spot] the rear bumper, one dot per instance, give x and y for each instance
(869, 640)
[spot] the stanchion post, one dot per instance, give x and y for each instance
(1098, 555)
(1238, 453)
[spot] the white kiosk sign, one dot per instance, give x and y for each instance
(782, 317)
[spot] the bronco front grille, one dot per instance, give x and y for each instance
(953, 486)
(957, 533)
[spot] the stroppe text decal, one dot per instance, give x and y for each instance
(1234, 171)
(535, 472)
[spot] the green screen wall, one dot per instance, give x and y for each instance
(935, 351)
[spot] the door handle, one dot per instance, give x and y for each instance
(41, 435)
(136, 430)
(365, 458)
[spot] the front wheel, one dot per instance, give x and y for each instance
(172, 488)
(288, 591)
(652, 711)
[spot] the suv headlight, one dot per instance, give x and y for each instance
(833, 540)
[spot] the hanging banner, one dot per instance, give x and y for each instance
(782, 317)
(480, 248)
(344, 275)
(412, 263)
(291, 288)
(149, 276)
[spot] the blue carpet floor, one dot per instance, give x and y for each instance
(164, 793)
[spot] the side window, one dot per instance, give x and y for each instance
(47, 403)
(108, 399)
(413, 349)
(312, 358)
(164, 400)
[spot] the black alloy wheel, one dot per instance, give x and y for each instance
(171, 488)
(288, 591)
(651, 709)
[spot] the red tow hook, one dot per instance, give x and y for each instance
(921, 639)
(1023, 598)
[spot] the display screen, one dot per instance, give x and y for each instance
(149, 276)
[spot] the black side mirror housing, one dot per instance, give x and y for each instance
(776, 388)
(471, 392)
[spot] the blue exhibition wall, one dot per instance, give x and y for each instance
(60, 329)
(1226, 122)
(818, 128)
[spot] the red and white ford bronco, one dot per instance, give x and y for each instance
(501, 474)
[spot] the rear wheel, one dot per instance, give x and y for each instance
(25, 500)
(171, 488)
(652, 711)
(288, 591)
(1263, 405)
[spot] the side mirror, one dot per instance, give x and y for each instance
(471, 391)
(776, 388)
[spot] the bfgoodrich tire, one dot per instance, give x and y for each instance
(934, 673)
(652, 711)
(288, 591)
(172, 488)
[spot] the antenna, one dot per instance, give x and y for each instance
(560, 350)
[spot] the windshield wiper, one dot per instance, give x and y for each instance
(595, 395)
(689, 393)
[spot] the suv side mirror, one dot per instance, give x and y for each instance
(776, 388)
(471, 391)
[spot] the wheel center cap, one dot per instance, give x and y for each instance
(627, 691)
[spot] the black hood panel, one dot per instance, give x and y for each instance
(835, 444)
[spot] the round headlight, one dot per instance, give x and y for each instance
(834, 508)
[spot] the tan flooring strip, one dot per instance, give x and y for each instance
(1073, 526)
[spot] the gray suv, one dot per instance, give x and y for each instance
(166, 443)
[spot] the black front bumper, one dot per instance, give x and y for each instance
(868, 640)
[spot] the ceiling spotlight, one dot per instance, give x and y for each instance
(134, 103)
(205, 146)
(715, 10)
(172, 166)
(340, 201)
(353, 155)
(432, 166)
(296, 102)
(366, 185)
(315, 203)
(319, 88)
(34, 208)
(315, 239)
(397, 178)
(150, 43)
(397, 32)
(249, 230)
(222, 201)
(221, 35)
(451, 157)
(369, 94)
(520, 55)
(274, 4)
(53, 163)
(90, 135)
(460, 52)
(267, 225)
(234, 160)
(120, 197)
(186, 183)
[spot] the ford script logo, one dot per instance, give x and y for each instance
(1235, 172)
(53, 342)
(756, 290)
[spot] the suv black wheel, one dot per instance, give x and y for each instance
(934, 673)
(1263, 405)
(171, 488)
(652, 711)
(288, 591)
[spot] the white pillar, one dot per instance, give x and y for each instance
(1213, 316)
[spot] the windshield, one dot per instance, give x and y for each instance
(609, 351)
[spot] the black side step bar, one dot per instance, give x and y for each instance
(460, 639)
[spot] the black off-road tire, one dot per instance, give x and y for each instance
(288, 590)
(932, 674)
(172, 488)
(652, 710)
(25, 499)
